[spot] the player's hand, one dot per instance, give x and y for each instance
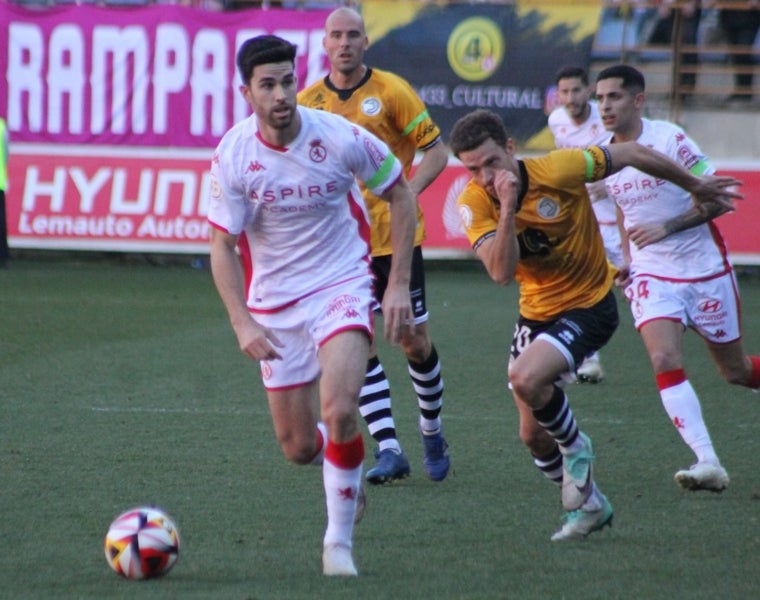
(643, 235)
(716, 189)
(623, 277)
(505, 184)
(398, 318)
(258, 342)
(596, 190)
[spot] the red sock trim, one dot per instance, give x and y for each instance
(347, 455)
(754, 380)
(670, 378)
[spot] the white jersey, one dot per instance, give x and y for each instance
(298, 210)
(568, 134)
(687, 255)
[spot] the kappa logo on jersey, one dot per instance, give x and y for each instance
(678, 422)
(255, 166)
(351, 313)
(317, 151)
(342, 303)
(371, 106)
(710, 306)
(547, 208)
(319, 100)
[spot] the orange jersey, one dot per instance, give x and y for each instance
(562, 263)
(386, 105)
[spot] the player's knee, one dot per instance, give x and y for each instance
(663, 362)
(300, 454)
(523, 384)
(300, 451)
(417, 345)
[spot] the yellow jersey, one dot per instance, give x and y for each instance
(388, 106)
(562, 262)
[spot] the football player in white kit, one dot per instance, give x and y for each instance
(290, 260)
(677, 273)
(577, 124)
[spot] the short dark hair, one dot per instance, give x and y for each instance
(633, 79)
(571, 72)
(261, 50)
(473, 129)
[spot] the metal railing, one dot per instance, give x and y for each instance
(706, 79)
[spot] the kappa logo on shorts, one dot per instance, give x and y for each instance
(342, 304)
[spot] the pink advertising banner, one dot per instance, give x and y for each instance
(160, 75)
(150, 200)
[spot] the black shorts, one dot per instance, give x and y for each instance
(578, 333)
(381, 268)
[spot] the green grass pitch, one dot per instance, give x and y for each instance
(121, 384)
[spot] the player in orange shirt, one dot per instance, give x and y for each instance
(531, 222)
(386, 105)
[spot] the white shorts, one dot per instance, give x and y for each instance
(709, 307)
(306, 325)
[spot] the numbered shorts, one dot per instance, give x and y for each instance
(381, 268)
(306, 325)
(709, 307)
(577, 333)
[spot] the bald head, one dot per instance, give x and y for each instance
(345, 43)
(342, 16)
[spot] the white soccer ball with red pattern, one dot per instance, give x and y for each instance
(142, 543)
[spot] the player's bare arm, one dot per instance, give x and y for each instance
(397, 304)
(501, 253)
(650, 233)
(254, 340)
(710, 189)
(623, 276)
(433, 161)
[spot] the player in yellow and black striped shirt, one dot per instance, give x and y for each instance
(531, 221)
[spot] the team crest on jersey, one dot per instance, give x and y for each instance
(371, 106)
(547, 208)
(317, 151)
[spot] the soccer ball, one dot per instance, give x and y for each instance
(142, 543)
